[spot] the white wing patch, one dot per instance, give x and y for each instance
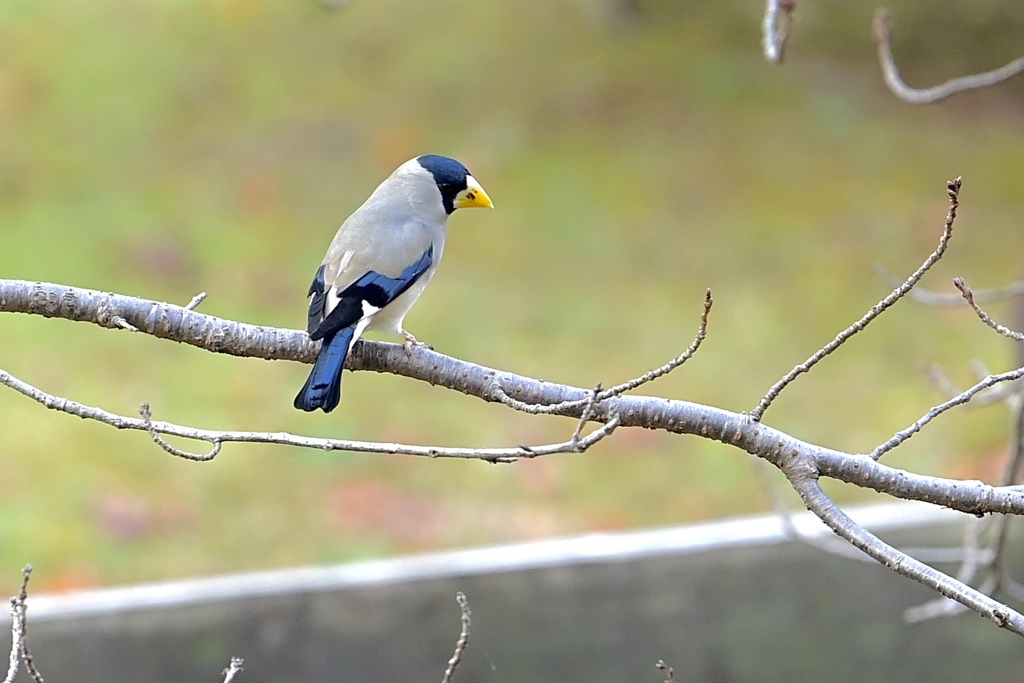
(345, 259)
(332, 300)
(368, 312)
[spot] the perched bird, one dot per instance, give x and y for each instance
(380, 262)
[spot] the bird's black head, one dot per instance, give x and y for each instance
(450, 176)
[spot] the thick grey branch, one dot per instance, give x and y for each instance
(822, 506)
(681, 417)
(799, 460)
(163, 320)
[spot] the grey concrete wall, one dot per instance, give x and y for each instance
(732, 601)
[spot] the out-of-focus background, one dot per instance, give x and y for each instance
(637, 153)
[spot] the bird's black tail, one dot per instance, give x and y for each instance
(323, 387)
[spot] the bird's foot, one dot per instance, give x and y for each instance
(411, 341)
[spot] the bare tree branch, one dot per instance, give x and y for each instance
(778, 20)
(828, 544)
(17, 633)
(576, 444)
(681, 417)
(829, 513)
(234, 668)
(953, 188)
(670, 674)
(20, 652)
(599, 396)
(891, 74)
(958, 400)
(463, 641)
(998, 394)
(196, 300)
(802, 462)
(948, 299)
(976, 558)
(968, 296)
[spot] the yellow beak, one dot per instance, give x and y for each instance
(472, 196)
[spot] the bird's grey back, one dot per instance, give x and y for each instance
(392, 229)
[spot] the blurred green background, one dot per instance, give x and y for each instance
(637, 153)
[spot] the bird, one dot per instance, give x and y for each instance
(378, 265)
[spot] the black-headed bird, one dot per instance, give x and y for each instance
(379, 263)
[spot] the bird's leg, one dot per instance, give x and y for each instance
(411, 341)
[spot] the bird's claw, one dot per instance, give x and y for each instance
(411, 341)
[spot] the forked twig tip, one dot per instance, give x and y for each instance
(670, 674)
(965, 291)
(953, 186)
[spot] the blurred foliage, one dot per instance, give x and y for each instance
(635, 157)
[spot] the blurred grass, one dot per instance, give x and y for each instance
(164, 148)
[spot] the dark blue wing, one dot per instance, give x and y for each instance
(317, 290)
(373, 288)
(323, 387)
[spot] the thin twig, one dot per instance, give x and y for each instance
(958, 400)
(650, 376)
(778, 20)
(588, 412)
(953, 188)
(556, 408)
(670, 674)
(196, 300)
(26, 653)
(463, 641)
(968, 296)
(19, 631)
(147, 418)
(118, 321)
(146, 424)
(234, 668)
(891, 74)
(928, 297)
(938, 378)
